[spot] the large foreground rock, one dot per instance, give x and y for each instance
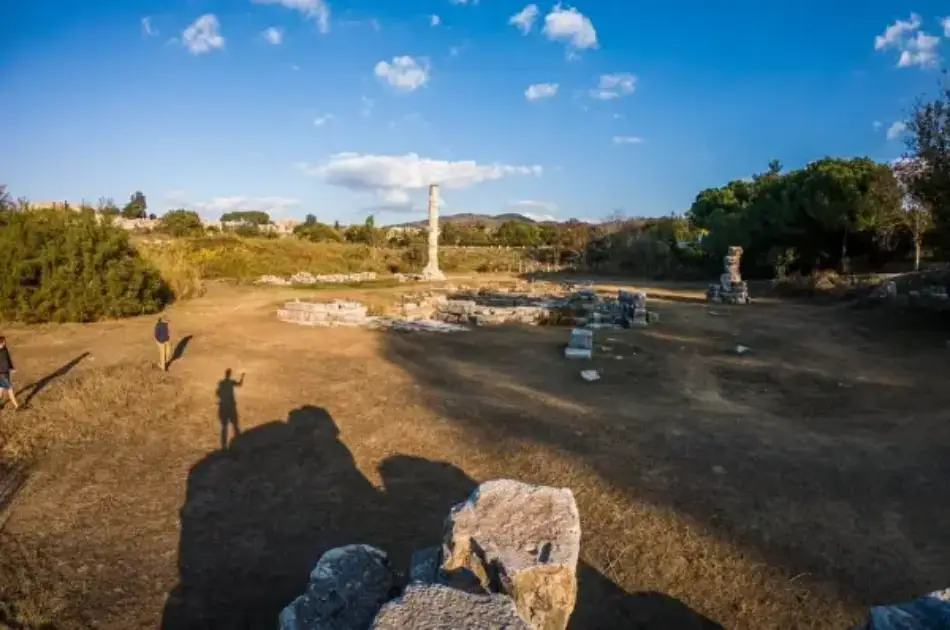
(439, 607)
(347, 588)
(520, 540)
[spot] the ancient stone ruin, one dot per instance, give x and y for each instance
(535, 304)
(731, 289)
(304, 277)
(431, 270)
(508, 560)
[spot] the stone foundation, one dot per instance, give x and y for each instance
(304, 277)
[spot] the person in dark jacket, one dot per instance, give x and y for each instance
(163, 339)
(6, 372)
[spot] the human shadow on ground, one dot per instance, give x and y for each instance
(227, 406)
(180, 348)
(257, 517)
(697, 432)
(38, 385)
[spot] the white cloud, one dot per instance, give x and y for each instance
(894, 34)
(393, 177)
(147, 26)
(273, 35)
(540, 90)
(571, 26)
(877, 124)
(627, 140)
(945, 23)
(895, 130)
(534, 210)
(614, 86)
(919, 49)
(320, 121)
(403, 73)
(524, 19)
(203, 35)
(472, 2)
(316, 10)
(434, 20)
(454, 51)
(212, 209)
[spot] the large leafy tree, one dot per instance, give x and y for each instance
(928, 149)
(136, 208)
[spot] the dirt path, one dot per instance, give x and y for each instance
(787, 488)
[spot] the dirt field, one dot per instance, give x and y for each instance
(787, 488)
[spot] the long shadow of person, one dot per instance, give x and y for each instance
(227, 406)
(257, 517)
(38, 385)
(180, 347)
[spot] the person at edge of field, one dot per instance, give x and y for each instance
(6, 371)
(163, 339)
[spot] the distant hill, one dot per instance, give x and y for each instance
(467, 218)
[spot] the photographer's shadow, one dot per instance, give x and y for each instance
(259, 515)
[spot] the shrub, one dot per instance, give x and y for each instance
(60, 265)
(181, 223)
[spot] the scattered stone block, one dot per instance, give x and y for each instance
(580, 345)
(346, 590)
(523, 541)
(438, 607)
(930, 612)
(731, 289)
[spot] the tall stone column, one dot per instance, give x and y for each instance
(432, 271)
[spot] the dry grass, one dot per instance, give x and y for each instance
(829, 438)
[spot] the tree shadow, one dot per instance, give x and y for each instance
(37, 386)
(257, 517)
(724, 448)
(180, 348)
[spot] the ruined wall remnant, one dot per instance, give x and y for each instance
(508, 560)
(731, 288)
(335, 313)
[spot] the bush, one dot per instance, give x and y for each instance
(62, 265)
(181, 223)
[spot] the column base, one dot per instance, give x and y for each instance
(432, 273)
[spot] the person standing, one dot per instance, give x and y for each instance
(6, 372)
(163, 339)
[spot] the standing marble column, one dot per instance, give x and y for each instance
(432, 271)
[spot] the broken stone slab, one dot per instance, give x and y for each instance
(347, 588)
(523, 541)
(439, 607)
(930, 612)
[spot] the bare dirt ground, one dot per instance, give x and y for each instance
(786, 488)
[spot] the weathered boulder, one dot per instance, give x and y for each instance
(346, 590)
(523, 541)
(438, 607)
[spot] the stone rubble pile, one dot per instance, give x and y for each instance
(304, 277)
(508, 560)
(731, 289)
(335, 313)
(580, 345)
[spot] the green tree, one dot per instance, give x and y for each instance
(928, 147)
(180, 223)
(251, 217)
(317, 232)
(136, 208)
(107, 207)
(62, 265)
(310, 219)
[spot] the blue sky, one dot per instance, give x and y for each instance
(350, 107)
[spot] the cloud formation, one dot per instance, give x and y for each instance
(213, 208)
(524, 19)
(434, 20)
(316, 10)
(147, 26)
(203, 35)
(320, 121)
(403, 73)
(570, 26)
(917, 49)
(273, 35)
(613, 86)
(540, 90)
(393, 177)
(627, 140)
(534, 210)
(895, 130)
